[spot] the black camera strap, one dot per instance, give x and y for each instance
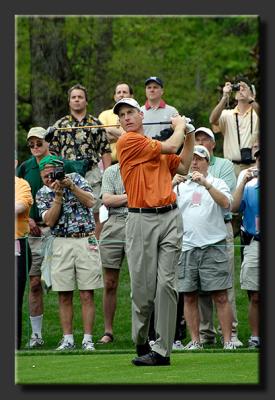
(238, 128)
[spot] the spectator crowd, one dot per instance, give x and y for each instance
(142, 183)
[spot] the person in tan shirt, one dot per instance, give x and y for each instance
(240, 125)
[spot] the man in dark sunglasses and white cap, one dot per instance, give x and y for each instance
(29, 170)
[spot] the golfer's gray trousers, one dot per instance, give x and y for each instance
(153, 247)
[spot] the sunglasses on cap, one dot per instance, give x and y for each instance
(37, 144)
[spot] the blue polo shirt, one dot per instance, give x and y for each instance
(250, 207)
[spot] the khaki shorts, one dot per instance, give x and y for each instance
(204, 269)
(74, 265)
(250, 271)
(36, 247)
(94, 178)
(112, 242)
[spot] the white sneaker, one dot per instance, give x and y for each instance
(89, 346)
(229, 346)
(35, 341)
(65, 345)
(193, 346)
(177, 345)
(236, 341)
(253, 344)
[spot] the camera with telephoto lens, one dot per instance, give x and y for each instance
(235, 87)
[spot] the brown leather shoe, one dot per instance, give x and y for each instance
(151, 359)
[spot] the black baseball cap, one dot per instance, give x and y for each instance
(154, 79)
(245, 80)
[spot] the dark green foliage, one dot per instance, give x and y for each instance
(193, 55)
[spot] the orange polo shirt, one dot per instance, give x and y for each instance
(147, 174)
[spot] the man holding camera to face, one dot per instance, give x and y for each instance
(240, 125)
(65, 204)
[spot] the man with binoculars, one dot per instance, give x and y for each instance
(240, 125)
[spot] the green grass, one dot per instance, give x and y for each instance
(112, 363)
(110, 368)
(52, 332)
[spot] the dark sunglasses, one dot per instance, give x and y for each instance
(37, 144)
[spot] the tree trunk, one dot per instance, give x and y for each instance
(102, 87)
(50, 70)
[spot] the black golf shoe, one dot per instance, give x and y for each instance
(143, 349)
(150, 360)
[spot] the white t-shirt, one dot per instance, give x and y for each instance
(203, 218)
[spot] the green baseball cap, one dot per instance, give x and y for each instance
(49, 160)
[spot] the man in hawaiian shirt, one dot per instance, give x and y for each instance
(65, 203)
(83, 143)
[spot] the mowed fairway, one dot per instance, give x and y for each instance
(111, 364)
(113, 368)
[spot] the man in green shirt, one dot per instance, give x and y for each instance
(29, 170)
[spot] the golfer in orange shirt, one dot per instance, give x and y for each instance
(154, 226)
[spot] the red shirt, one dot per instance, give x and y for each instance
(162, 104)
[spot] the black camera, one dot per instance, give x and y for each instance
(58, 173)
(246, 155)
(235, 87)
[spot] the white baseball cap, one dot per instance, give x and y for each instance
(38, 132)
(202, 152)
(128, 101)
(207, 131)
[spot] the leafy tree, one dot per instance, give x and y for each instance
(193, 55)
